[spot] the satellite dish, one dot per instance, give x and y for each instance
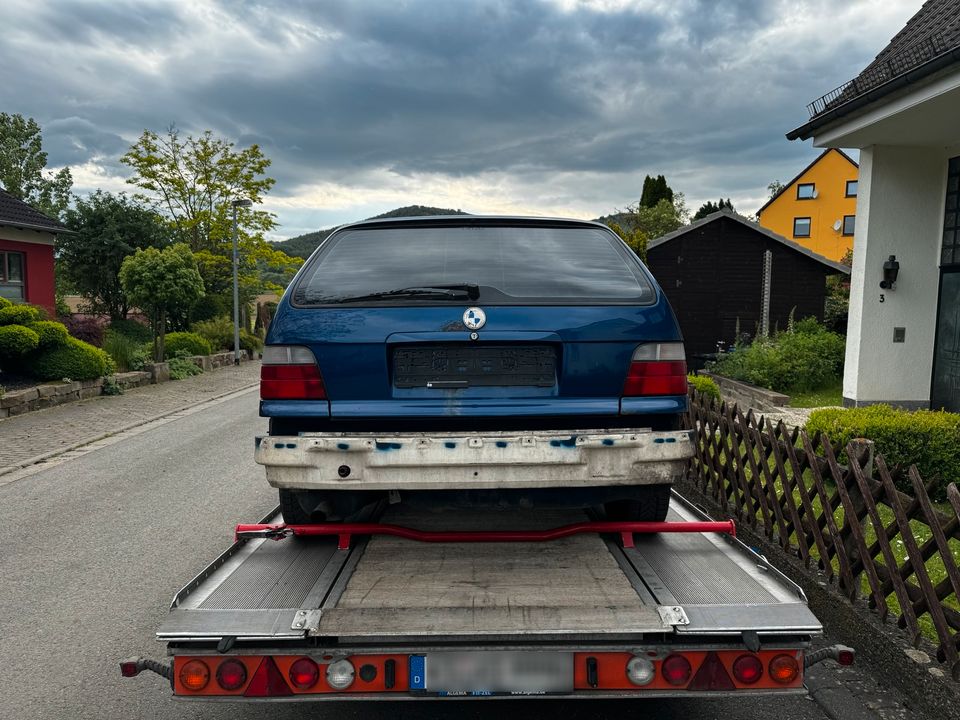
(837, 225)
(814, 194)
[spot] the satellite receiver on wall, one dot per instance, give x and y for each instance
(814, 194)
(837, 225)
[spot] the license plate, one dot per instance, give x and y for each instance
(446, 366)
(494, 672)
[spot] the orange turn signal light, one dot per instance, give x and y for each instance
(194, 675)
(784, 669)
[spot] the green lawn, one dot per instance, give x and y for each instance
(832, 395)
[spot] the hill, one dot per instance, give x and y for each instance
(303, 245)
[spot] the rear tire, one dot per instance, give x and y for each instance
(649, 504)
(293, 511)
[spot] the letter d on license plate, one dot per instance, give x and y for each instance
(488, 672)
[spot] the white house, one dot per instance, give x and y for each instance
(903, 114)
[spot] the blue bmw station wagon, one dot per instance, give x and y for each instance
(473, 360)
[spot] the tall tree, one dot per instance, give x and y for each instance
(106, 229)
(161, 282)
(708, 208)
(655, 190)
(653, 222)
(775, 188)
(191, 181)
(23, 163)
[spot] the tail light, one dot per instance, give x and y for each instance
(304, 673)
(195, 675)
(290, 372)
(657, 369)
(784, 669)
(748, 669)
(231, 675)
(676, 669)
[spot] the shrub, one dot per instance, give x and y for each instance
(17, 340)
(188, 342)
(4, 302)
(805, 357)
(127, 353)
(925, 438)
(132, 329)
(249, 342)
(705, 386)
(18, 315)
(51, 332)
(181, 367)
(88, 329)
(217, 331)
(76, 360)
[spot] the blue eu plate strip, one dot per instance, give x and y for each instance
(418, 672)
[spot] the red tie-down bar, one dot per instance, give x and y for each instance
(344, 531)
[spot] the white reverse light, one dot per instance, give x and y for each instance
(640, 671)
(340, 674)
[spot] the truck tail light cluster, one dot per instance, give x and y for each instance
(290, 372)
(268, 676)
(657, 369)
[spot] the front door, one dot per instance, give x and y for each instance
(945, 388)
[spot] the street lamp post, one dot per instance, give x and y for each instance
(236, 283)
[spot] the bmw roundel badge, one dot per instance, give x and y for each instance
(474, 318)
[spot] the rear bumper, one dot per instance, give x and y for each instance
(431, 461)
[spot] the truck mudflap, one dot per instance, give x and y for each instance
(427, 461)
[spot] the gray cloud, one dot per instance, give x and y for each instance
(574, 105)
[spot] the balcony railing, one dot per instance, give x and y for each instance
(880, 73)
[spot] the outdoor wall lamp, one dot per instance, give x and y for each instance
(891, 268)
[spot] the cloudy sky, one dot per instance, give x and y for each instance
(545, 107)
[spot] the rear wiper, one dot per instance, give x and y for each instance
(458, 290)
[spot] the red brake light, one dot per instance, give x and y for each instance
(657, 369)
(304, 673)
(290, 373)
(231, 675)
(747, 669)
(846, 657)
(675, 669)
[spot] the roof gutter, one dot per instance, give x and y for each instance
(805, 132)
(39, 228)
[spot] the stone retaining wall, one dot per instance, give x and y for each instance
(17, 402)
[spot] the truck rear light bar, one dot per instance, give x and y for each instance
(345, 531)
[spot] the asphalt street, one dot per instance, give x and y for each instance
(93, 549)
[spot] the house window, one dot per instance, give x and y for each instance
(11, 275)
(848, 224)
(806, 191)
(950, 253)
(851, 188)
(801, 227)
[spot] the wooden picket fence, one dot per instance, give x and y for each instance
(851, 521)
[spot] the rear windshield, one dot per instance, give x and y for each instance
(508, 265)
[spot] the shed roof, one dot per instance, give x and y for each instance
(16, 213)
(713, 217)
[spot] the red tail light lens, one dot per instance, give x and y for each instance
(675, 669)
(784, 669)
(747, 669)
(304, 673)
(290, 373)
(657, 369)
(231, 675)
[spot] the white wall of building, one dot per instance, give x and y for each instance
(899, 212)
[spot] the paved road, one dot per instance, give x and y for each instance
(95, 546)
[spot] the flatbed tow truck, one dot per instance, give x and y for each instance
(417, 604)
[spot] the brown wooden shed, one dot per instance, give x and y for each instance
(712, 271)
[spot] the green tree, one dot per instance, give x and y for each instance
(708, 208)
(191, 182)
(636, 239)
(775, 188)
(653, 222)
(23, 163)
(161, 282)
(106, 229)
(655, 190)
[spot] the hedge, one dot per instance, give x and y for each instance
(76, 360)
(51, 333)
(189, 342)
(132, 329)
(18, 315)
(705, 386)
(925, 438)
(16, 340)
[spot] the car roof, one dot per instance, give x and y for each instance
(472, 221)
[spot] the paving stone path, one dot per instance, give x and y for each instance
(60, 428)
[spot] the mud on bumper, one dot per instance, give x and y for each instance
(432, 461)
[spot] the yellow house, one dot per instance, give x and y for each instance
(818, 208)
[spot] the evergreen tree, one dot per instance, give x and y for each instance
(655, 190)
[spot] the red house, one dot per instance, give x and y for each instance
(26, 253)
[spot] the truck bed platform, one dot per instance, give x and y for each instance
(387, 591)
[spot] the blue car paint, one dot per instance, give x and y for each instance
(353, 346)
